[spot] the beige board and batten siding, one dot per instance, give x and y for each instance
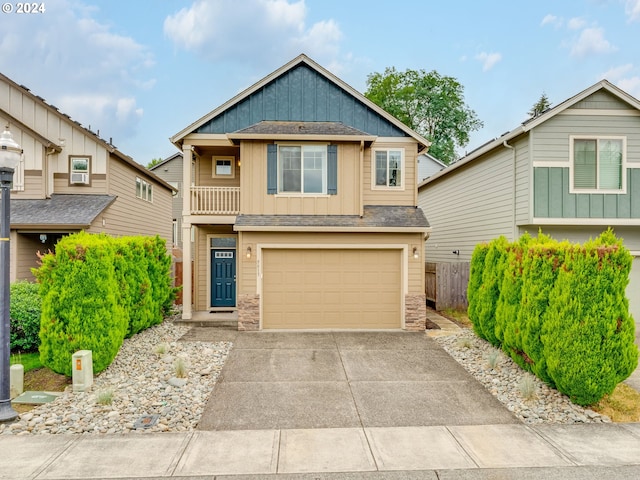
(485, 210)
(392, 196)
(255, 200)
(205, 168)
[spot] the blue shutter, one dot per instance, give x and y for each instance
(332, 169)
(272, 169)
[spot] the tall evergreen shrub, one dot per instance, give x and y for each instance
(489, 291)
(506, 328)
(587, 332)
(80, 304)
(24, 312)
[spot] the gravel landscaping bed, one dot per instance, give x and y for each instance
(147, 394)
(530, 399)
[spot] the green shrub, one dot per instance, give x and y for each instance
(486, 297)
(475, 287)
(510, 292)
(80, 303)
(24, 311)
(587, 332)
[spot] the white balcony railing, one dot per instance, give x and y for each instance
(215, 200)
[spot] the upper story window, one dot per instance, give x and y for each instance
(224, 167)
(310, 169)
(144, 190)
(388, 168)
(79, 168)
(302, 169)
(598, 164)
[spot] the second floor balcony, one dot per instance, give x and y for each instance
(215, 200)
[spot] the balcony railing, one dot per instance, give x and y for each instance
(215, 200)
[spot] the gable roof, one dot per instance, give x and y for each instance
(177, 155)
(531, 123)
(66, 118)
(370, 111)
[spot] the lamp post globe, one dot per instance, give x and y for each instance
(10, 154)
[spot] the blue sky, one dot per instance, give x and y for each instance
(141, 71)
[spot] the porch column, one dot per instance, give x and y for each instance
(186, 232)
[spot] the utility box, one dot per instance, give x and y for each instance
(16, 380)
(82, 370)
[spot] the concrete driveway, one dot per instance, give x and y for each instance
(307, 380)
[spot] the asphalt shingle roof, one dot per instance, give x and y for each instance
(59, 209)
(301, 128)
(374, 217)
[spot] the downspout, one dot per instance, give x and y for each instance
(361, 178)
(514, 231)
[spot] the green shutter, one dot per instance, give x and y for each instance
(272, 169)
(332, 169)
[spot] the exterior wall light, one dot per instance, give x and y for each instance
(416, 253)
(249, 252)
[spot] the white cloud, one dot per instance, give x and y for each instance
(576, 23)
(255, 30)
(488, 60)
(630, 85)
(632, 9)
(616, 73)
(551, 20)
(591, 41)
(78, 64)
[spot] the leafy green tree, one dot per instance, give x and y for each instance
(540, 106)
(429, 103)
(154, 162)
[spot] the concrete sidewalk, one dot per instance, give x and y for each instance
(458, 452)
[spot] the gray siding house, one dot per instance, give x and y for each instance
(428, 165)
(170, 170)
(571, 172)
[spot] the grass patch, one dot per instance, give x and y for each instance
(623, 405)
(30, 361)
(458, 316)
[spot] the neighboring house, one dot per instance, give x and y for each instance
(304, 208)
(71, 180)
(170, 170)
(428, 165)
(572, 172)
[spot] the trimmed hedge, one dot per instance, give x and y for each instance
(96, 290)
(24, 311)
(561, 311)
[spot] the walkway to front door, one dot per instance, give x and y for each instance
(223, 278)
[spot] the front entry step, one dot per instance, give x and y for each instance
(212, 319)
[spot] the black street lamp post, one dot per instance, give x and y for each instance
(10, 154)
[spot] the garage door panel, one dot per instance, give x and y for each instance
(327, 288)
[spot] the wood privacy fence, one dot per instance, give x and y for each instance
(446, 285)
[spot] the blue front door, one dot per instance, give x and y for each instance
(223, 278)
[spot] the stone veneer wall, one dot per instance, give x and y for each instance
(248, 312)
(415, 312)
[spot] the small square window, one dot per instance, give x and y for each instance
(224, 167)
(79, 170)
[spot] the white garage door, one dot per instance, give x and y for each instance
(325, 289)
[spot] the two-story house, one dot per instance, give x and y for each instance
(572, 172)
(170, 170)
(303, 206)
(70, 180)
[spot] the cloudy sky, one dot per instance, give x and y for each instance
(141, 71)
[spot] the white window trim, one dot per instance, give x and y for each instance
(572, 139)
(324, 172)
(149, 195)
(87, 175)
(215, 174)
(373, 169)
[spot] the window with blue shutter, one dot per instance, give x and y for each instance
(306, 169)
(272, 169)
(332, 169)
